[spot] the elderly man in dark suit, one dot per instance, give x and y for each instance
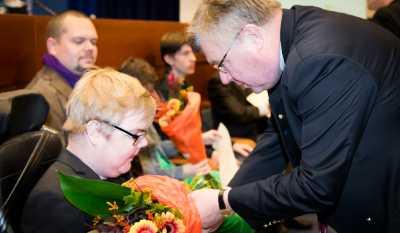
(335, 103)
(108, 114)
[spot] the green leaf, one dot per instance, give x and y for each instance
(204, 181)
(136, 200)
(91, 196)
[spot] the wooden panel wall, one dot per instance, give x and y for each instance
(23, 43)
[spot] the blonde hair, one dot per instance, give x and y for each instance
(222, 18)
(106, 95)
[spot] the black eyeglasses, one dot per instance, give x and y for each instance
(220, 66)
(135, 137)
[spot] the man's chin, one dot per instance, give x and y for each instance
(255, 89)
(258, 89)
(83, 68)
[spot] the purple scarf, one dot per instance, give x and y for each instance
(52, 62)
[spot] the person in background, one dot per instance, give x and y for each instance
(387, 14)
(335, 102)
(108, 115)
(155, 158)
(229, 106)
(180, 61)
(71, 49)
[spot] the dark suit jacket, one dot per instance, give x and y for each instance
(46, 210)
(229, 106)
(389, 17)
(336, 113)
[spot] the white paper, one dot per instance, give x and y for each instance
(258, 99)
(226, 158)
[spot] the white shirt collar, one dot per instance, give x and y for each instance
(281, 59)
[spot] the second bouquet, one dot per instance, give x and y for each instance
(182, 124)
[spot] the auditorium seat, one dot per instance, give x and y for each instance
(26, 150)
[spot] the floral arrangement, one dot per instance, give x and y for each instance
(172, 109)
(119, 209)
(147, 204)
(181, 122)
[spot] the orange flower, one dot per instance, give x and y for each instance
(144, 226)
(150, 215)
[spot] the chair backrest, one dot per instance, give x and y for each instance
(26, 152)
(21, 111)
(23, 160)
(4, 227)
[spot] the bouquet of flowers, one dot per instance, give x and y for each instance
(148, 204)
(181, 122)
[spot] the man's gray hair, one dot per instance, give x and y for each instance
(224, 18)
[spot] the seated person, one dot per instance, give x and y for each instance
(229, 106)
(180, 61)
(155, 158)
(108, 114)
(71, 49)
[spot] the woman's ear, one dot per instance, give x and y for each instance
(95, 133)
(169, 59)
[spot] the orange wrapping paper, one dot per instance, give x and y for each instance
(171, 193)
(185, 130)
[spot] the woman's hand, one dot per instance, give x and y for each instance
(200, 168)
(210, 136)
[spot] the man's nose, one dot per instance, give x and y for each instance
(193, 57)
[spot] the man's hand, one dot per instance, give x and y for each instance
(200, 168)
(206, 201)
(210, 136)
(243, 149)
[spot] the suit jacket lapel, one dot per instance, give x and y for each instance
(280, 118)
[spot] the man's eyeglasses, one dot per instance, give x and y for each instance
(220, 67)
(135, 137)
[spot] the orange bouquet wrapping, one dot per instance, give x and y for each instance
(184, 128)
(171, 193)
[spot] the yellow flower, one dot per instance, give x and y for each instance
(169, 223)
(112, 206)
(174, 104)
(144, 226)
(120, 219)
